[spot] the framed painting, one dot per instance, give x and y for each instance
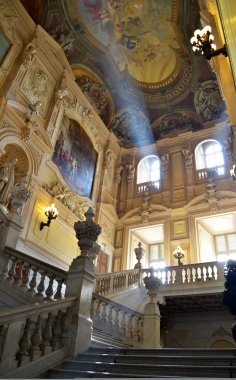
(5, 45)
(75, 157)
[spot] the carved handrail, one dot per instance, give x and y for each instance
(29, 333)
(117, 320)
(189, 273)
(35, 278)
(36, 262)
(115, 282)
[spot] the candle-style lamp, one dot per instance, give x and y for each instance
(51, 213)
(179, 254)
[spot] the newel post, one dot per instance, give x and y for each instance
(151, 320)
(80, 282)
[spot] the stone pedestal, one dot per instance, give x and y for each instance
(151, 321)
(151, 326)
(80, 283)
(10, 230)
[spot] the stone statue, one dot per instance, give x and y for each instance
(7, 175)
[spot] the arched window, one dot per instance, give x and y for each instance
(148, 171)
(208, 154)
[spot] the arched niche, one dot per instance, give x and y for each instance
(22, 165)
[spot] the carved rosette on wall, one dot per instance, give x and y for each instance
(38, 86)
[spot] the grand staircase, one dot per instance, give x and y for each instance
(113, 362)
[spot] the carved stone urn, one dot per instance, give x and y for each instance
(87, 233)
(152, 284)
(139, 252)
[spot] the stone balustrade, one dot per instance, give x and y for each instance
(148, 186)
(189, 273)
(117, 320)
(116, 282)
(33, 277)
(202, 174)
(30, 334)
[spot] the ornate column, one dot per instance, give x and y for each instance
(151, 321)
(166, 179)
(80, 282)
(130, 167)
(188, 160)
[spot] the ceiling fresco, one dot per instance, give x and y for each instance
(133, 60)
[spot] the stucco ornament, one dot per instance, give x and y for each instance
(28, 55)
(19, 195)
(208, 101)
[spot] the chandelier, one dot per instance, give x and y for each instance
(202, 44)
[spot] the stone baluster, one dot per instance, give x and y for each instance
(23, 355)
(140, 325)
(110, 314)
(57, 332)
(116, 318)
(33, 282)
(36, 340)
(135, 328)
(58, 294)
(151, 322)
(97, 310)
(12, 336)
(128, 325)
(12, 269)
(215, 272)
(41, 287)
(122, 323)
(199, 273)
(5, 268)
(47, 335)
(104, 311)
(209, 272)
(204, 272)
(18, 274)
(49, 290)
(66, 318)
(25, 276)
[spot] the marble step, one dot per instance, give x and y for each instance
(103, 340)
(72, 374)
(166, 351)
(159, 359)
(148, 369)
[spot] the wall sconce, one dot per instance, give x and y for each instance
(233, 172)
(179, 254)
(202, 44)
(51, 213)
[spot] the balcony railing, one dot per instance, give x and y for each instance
(203, 174)
(148, 186)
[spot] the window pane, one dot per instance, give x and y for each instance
(232, 242)
(148, 169)
(220, 244)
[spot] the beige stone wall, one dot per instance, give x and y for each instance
(36, 90)
(28, 76)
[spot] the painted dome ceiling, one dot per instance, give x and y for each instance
(133, 60)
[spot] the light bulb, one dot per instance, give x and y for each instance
(197, 32)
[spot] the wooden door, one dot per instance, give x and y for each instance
(102, 262)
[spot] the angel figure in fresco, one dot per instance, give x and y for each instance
(7, 177)
(130, 42)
